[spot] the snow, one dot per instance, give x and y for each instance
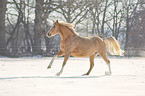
(30, 77)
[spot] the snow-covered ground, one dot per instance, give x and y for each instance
(30, 77)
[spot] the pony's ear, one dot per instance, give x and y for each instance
(56, 21)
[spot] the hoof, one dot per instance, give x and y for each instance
(48, 67)
(107, 73)
(85, 74)
(58, 74)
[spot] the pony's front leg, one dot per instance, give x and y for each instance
(60, 53)
(50, 64)
(64, 62)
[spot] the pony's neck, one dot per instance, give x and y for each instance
(65, 32)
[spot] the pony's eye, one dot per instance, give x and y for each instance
(53, 26)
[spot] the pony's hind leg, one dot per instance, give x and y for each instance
(103, 54)
(60, 53)
(91, 63)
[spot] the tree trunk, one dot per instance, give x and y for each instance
(103, 21)
(2, 27)
(38, 27)
(127, 29)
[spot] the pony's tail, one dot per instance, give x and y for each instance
(113, 46)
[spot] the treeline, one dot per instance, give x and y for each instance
(24, 23)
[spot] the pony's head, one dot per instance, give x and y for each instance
(53, 30)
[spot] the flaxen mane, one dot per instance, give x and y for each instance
(68, 25)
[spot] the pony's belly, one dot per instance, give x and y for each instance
(79, 55)
(84, 54)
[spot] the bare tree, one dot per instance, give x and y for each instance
(73, 10)
(38, 26)
(95, 12)
(42, 10)
(98, 12)
(117, 18)
(2, 27)
(129, 9)
(20, 38)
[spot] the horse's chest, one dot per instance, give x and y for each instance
(66, 46)
(62, 47)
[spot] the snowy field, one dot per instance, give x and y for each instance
(30, 77)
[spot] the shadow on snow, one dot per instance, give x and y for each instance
(51, 77)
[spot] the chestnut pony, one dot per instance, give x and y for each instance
(75, 45)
